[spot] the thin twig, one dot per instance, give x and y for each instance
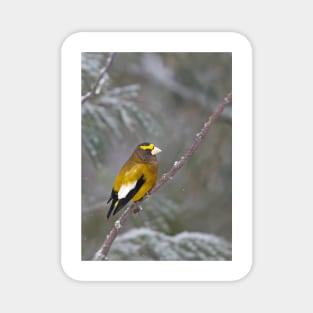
(102, 253)
(100, 79)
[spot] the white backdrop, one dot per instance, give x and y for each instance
(31, 36)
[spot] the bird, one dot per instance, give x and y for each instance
(136, 178)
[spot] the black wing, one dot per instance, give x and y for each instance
(118, 204)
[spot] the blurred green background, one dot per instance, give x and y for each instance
(163, 98)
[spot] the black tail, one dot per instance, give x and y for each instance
(114, 199)
(111, 208)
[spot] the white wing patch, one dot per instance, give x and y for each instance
(125, 189)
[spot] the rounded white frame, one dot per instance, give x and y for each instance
(241, 50)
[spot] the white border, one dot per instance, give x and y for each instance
(71, 157)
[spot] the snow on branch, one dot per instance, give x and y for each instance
(102, 253)
(100, 80)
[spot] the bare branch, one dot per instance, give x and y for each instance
(100, 80)
(103, 251)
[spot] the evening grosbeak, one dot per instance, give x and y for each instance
(136, 178)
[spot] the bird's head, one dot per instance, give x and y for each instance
(147, 151)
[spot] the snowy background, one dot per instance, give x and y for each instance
(163, 98)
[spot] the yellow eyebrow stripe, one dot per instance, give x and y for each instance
(149, 147)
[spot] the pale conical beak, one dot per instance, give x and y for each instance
(155, 150)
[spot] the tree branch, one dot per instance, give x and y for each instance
(102, 253)
(100, 80)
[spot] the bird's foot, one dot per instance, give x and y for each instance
(137, 209)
